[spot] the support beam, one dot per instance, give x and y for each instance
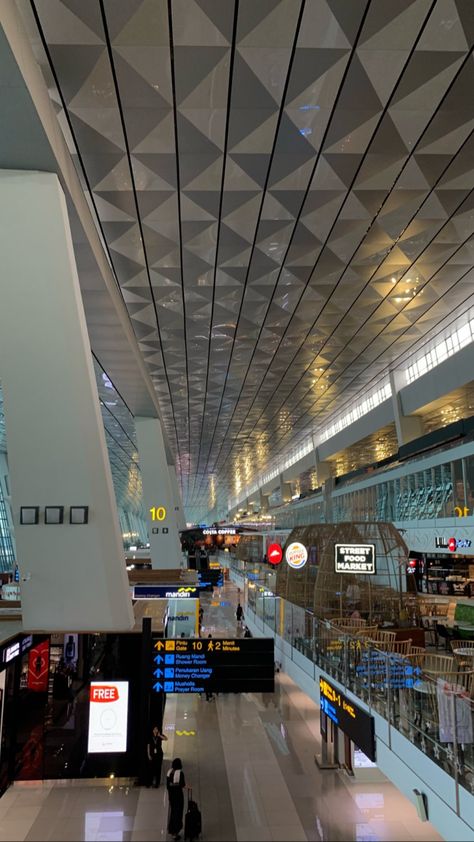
(408, 427)
(285, 489)
(178, 501)
(5, 487)
(263, 502)
(75, 574)
(165, 546)
(323, 469)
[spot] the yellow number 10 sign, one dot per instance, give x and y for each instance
(158, 512)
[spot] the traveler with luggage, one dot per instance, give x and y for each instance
(192, 819)
(175, 784)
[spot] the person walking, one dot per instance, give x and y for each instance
(175, 784)
(155, 755)
(239, 614)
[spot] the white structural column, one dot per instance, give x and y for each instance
(165, 546)
(408, 427)
(75, 574)
(323, 469)
(178, 502)
(285, 489)
(5, 484)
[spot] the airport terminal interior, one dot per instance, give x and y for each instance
(236, 420)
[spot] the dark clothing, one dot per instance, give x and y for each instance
(155, 750)
(176, 799)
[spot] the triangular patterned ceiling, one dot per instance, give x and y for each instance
(270, 178)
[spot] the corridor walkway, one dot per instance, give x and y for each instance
(250, 761)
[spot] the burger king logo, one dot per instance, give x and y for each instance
(296, 555)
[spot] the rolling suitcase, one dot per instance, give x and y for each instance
(192, 819)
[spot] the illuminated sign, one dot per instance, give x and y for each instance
(453, 544)
(157, 513)
(11, 652)
(296, 555)
(26, 642)
(15, 648)
(354, 558)
(219, 665)
(165, 592)
(349, 717)
(274, 553)
(108, 714)
(224, 531)
(38, 667)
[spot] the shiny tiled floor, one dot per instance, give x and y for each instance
(250, 761)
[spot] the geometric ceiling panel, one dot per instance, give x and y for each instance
(284, 190)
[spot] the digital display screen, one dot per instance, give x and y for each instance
(219, 665)
(354, 558)
(108, 716)
(349, 717)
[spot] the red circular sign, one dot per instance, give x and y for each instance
(274, 553)
(452, 545)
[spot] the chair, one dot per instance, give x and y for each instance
(350, 623)
(399, 647)
(464, 658)
(367, 631)
(383, 636)
(462, 644)
(438, 665)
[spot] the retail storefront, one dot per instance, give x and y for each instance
(442, 558)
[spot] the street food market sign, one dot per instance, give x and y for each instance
(354, 558)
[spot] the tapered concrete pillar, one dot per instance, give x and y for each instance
(165, 546)
(285, 489)
(323, 469)
(75, 574)
(5, 487)
(408, 427)
(263, 502)
(178, 502)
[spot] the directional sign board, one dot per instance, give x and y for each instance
(349, 717)
(219, 665)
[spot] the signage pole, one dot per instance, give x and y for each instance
(144, 706)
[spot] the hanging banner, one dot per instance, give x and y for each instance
(38, 667)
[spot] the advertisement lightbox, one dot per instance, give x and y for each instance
(354, 558)
(108, 717)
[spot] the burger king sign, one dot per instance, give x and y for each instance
(296, 555)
